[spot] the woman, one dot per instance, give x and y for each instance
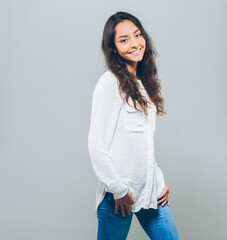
(125, 103)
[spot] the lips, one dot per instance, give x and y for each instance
(135, 53)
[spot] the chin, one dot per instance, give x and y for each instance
(136, 60)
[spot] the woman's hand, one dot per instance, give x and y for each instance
(163, 197)
(124, 202)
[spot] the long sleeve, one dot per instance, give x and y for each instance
(106, 105)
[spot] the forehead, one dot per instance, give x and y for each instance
(125, 27)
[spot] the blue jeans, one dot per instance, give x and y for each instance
(157, 223)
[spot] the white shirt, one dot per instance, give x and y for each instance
(121, 146)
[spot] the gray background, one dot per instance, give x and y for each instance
(50, 62)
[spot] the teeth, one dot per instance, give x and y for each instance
(136, 51)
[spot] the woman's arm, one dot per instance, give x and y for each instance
(106, 105)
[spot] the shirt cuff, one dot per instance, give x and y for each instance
(118, 188)
(121, 194)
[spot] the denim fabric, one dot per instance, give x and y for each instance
(157, 223)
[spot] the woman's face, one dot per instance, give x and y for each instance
(129, 42)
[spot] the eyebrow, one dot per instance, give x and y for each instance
(127, 35)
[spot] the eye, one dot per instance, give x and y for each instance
(138, 35)
(123, 40)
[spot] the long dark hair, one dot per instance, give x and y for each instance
(146, 68)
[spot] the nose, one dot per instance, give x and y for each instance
(134, 43)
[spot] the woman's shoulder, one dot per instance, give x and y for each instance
(108, 77)
(107, 82)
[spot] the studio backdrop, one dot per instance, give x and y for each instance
(50, 62)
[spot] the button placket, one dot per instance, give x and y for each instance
(150, 167)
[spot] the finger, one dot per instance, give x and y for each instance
(128, 209)
(163, 199)
(168, 203)
(116, 207)
(162, 194)
(163, 204)
(123, 210)
(131, 201)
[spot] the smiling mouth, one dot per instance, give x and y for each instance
(135, 52)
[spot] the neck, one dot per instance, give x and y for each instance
(132, 68)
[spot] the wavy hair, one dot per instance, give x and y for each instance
(146, 68)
